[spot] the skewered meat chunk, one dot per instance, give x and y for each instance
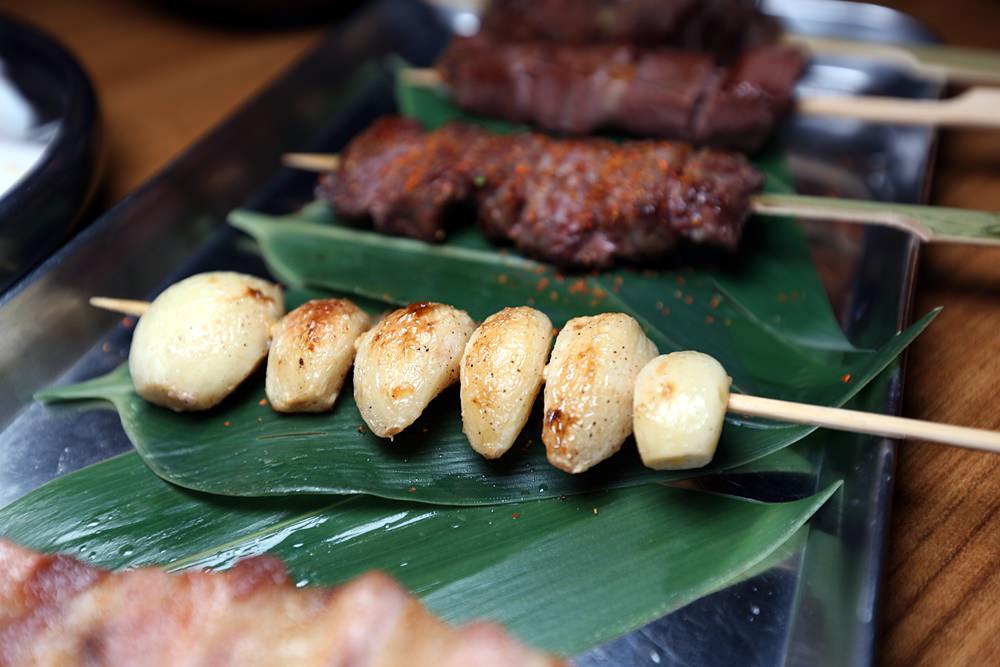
(663, 93)
(406, 360)
(680, 404)
(581, 203)
(721, 26)
(748, 100)
(501, 375)
(201, 338)
(589, 384)
(311, 354)
(401, 177)
(55, 610)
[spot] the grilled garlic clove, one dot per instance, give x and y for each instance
(680, 404)
(311, 352)
(406, 360)
(201, 338)
(501, 374)
(588, 389)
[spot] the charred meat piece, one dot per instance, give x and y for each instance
(719, 26)
(579, 203)
(55, 610)
(400, 177)
(590, 203)
(664, 93)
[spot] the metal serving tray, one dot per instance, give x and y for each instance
(816, 608)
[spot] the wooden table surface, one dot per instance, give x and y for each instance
(164, 80)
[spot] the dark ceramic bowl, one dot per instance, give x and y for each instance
(263, 13)
(44, 207)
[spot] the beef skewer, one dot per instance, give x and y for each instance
(580, 89)
(57, 610)
(585, 203)
(602, 380)
(722, 27)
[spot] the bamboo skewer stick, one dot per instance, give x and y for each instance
(976, 108)
(931, 224)
(318, 162)
(865, 422)
(933, 62)
(786, 411)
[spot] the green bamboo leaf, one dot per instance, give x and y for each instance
(774, 283)
(635, 554)
(244, 448)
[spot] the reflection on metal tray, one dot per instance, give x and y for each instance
(816, 608)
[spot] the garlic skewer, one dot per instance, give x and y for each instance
(839, 419)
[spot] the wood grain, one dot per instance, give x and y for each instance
(164, 81)
(943, 585)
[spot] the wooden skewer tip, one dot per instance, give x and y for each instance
(131, 307)
(317, 162)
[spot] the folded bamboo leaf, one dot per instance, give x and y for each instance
(625, 557)
(243, 448)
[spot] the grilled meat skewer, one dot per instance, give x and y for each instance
(56, 610)
(723, 27)
(582, 203)
(662, 93)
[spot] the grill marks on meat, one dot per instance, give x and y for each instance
(720, 26)
(419, 170)
(580, 89)
(580, 203)
(56, 610)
